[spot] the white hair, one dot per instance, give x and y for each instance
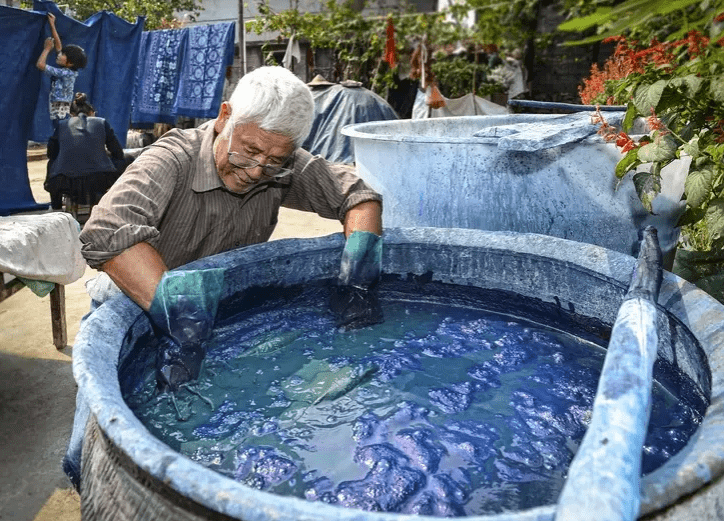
(276, 100)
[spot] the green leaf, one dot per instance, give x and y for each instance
(692, 83)
(716, 88)
(698, 186)
(691, 148)
(647, 186)
(627, 163)
(691, 216)
(628, 14)
(630, 114)
(601, 15)
(647, 96)
(714, 220)
(662, 149)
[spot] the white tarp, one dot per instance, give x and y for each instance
(43, 247)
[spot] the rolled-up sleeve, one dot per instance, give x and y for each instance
(130, 212)
(328, 189)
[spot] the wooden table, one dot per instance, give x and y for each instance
(57, 307)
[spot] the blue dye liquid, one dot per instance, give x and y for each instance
(443, 410)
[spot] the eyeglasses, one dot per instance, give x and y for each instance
(269, 171)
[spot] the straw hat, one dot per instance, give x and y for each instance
(319, 81)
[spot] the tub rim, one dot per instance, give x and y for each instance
(362, 130)
(702, 457)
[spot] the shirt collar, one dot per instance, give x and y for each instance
(205, 175)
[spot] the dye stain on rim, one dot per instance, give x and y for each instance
(464, 402)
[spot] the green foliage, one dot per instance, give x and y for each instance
(642, 19)
(458, 77)
(681, 96)
(678, 86)
(358, 43)
(506, 24)
(159, 13)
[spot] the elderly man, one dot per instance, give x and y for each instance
(201, 191)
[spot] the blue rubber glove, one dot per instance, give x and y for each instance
(360, 265)
(183, 312)
(355, 300)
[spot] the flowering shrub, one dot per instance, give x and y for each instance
(678, 87)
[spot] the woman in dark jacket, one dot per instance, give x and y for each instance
(79, 164)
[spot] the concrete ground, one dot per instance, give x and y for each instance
(37, 390)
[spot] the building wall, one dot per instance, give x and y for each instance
(558, 70)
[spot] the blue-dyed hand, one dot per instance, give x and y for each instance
(183, 312)
(355, 300)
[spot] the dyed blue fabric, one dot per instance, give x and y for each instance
(181, 73)
(209, 51)
(21, 42)
(335, 107)
(112, 47)
(157, 77)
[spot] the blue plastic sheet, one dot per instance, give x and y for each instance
(335, 107)
(108, 41)
(164, 90)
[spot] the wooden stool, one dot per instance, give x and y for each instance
(80, 212)
(57, 307)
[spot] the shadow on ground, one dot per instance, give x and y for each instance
(36, 396)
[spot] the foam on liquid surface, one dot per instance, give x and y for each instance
(442, 410)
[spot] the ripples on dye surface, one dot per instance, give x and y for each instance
(441, 410)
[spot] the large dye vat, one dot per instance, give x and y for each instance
(580, 279)
(437, 173)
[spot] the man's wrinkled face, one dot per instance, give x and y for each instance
(250, 144)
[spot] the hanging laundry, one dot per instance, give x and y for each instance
(292, 51)
(390, 56)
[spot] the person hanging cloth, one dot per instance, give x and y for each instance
(390, 56)
(292, 51)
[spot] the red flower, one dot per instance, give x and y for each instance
(631, 57)
(625, 142)
(653, 122)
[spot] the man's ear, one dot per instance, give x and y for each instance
(225, 111)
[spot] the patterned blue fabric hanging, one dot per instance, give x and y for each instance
(181, 72)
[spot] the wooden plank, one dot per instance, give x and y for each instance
(58, 316)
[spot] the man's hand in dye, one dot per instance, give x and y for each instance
(355, 300)
(182, 312)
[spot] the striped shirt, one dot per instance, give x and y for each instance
(172, 197)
